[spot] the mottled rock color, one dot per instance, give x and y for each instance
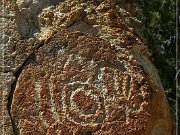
(78, 67)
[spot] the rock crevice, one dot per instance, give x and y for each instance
(79, 67)
(11, 92)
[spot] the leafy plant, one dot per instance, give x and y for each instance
(158, 18)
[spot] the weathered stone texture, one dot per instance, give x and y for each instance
(78, 83)
(78, 67)
(6, 79)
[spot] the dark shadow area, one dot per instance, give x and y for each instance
(11, 93)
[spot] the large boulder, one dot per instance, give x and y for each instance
(78, 67)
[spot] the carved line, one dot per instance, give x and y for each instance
(79, 112)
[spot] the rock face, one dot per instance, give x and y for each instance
(78, 67)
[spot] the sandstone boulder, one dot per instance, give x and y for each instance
(78, 67)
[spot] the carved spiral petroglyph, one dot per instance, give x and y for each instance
(79, 102)
(80, 91)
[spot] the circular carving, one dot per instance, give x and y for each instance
(84, 104)
(83, 88)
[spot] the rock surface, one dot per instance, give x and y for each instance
(78, 67)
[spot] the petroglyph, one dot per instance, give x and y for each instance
(86, 86)
(57, 82)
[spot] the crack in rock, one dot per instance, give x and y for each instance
(13, 86)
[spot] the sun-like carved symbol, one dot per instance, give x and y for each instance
(79, 90)
(83, 104)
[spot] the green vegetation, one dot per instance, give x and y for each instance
(159, 23)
